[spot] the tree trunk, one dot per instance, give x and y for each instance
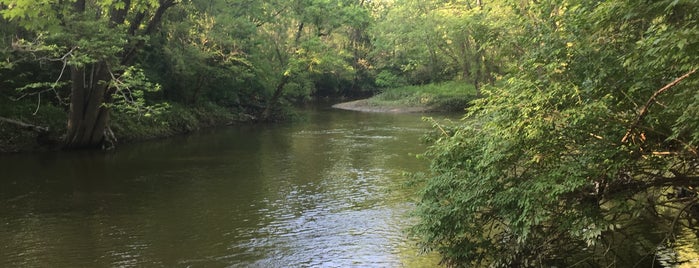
(88, 118)
(275, 98)
(88, 114)
(197, 89)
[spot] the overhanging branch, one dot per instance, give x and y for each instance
(644, 109)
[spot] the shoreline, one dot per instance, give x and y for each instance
(363, 105)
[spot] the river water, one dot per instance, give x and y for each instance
(327, 191)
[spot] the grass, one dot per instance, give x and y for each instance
(446, 96)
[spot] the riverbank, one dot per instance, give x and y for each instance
(365, 105)
(451, 96)
(176, 120)
(179, 119)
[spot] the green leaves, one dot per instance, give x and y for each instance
(537, 173)
(40, 15)
(130, 94)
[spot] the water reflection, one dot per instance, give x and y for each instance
(321, 193)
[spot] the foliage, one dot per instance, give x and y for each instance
(177, 119)
(447, 96)
(388, 79)
(129, 98)
(202, 55)
(435, 41)
(560, 164)
(588, 123)
(248, 56)
(96, 41)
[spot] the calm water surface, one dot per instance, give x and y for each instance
(325, 192)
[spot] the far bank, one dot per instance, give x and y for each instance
(452, 96)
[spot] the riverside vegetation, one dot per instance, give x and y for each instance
(587, 154)
(582, 123)
(446, 97)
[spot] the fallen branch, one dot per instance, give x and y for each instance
(644, 109)
(23, 125)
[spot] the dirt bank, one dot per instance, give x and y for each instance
(365, 106)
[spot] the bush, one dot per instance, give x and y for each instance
(176, 119)
(387, 79)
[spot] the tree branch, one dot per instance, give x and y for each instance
(35, 128)
(644, 109)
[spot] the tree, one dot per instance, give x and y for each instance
(593, 133)
(432, 41)
(301, 43)
(203, 53)
(252, 57)
(98, 40)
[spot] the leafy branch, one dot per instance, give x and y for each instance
(644, 110)
(35, 47)
(129, 92)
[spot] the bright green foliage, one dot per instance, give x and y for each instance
(42, 15)
(130, 98)
(539, 172)
(432, 41)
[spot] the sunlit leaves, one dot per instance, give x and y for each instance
(130, 94)
(537, 173)
(34, 14)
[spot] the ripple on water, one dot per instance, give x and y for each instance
(318, 238)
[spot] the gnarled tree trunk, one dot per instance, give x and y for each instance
(88, 113)
(90, 91)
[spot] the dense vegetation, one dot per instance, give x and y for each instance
(587, 154)
(586, 122)
(124, 69)
(134, 65)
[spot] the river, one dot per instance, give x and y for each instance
(327, 191)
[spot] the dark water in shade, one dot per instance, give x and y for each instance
(326, 192)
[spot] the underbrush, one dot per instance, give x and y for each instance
(126, 127)
(14, 138)
(177, 119)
